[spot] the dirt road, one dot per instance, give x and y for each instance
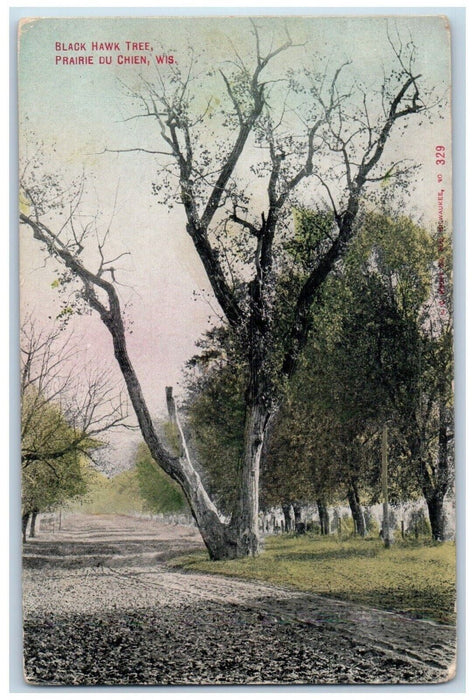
(102, 608)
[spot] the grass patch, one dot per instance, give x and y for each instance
(415, 579)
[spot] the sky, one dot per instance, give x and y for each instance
(81, 110)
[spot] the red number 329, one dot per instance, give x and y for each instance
(440, 155)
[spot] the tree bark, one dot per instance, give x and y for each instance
(220, 540)
(287, 518)
(245, 520)
(34, 513)
(324, 516)
(435, 498)
(24, 524)
(434, 495)
(356, 509)
(435, 482)
(297, 513)
(435, 505)
(300, 526)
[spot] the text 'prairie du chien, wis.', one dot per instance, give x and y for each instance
(82, 53)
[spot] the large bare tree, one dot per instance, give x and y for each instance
(287, 131)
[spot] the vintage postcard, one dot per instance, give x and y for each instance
(236, 336)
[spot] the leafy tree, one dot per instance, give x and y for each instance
(428, 433)
(340, 124)
(62, 420)
(50, 481)
(414, 358)
(159, 493)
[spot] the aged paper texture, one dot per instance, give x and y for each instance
(236, 350)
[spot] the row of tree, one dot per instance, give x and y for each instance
(380, 352)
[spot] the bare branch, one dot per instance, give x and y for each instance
(245, 224)
(233, 98)
(135, 150)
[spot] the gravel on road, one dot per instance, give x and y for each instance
(101, 607)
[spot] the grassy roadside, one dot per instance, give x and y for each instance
(413, 578)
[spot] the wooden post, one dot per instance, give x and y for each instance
(402, 529)
(339, 527)
(384, 480)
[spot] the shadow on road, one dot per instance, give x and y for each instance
(75, 555)
(87, 540)
(212, 642)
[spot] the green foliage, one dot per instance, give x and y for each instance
(119, 494)
(363, 365)
(370, 359)
(312, 228)
(399, 253)
(54, 456)
(144, 488)
(159, 493)
(48, 485)
(216, 415)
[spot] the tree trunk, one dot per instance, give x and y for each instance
(220, 540)
(297, 513)
(245, 520)
(24, 524)
(34, 513)
(435, 505)
(384, 484)
(435, 496)
(356, 509)
(241, 537)
(298, 522)
(435, 481)
(287, 518)
(324, 516)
